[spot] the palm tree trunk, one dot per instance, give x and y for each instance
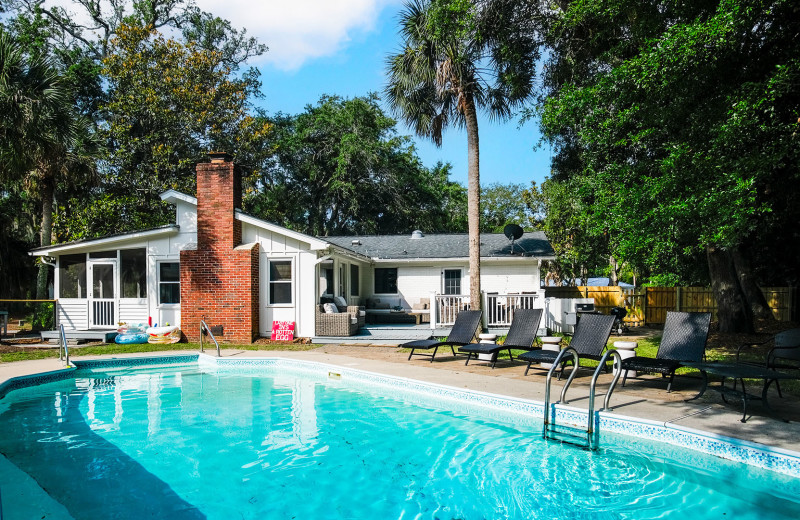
(473, 204)
(46, 237)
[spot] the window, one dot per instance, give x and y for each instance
(326, 279)
(72, 276)
(280, 282)
(169, 282)
(386, 280)
(354, 280)
(452, 281)
(133, 275)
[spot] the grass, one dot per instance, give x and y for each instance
(113, 348)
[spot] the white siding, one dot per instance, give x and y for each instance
(186, 217)
(280, 247)
(73, 313)
(307, 294)
(414, 283)
(510, 278)
(133, 310)
(270, 242)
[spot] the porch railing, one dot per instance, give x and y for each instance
(103, 313)
(498, 308)
(447, 308)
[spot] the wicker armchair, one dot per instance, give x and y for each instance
(337, 324)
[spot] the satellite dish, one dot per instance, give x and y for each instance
(513, 232)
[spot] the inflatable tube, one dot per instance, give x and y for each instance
(170, 334)
(135, 338)
(127, 328)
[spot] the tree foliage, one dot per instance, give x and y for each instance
(339, 167)
(45, 142)
(167, 104)
(675, 126)
(503, 204)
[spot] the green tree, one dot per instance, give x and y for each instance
(45, 141)
(168, 103)
(503, 204)
(675, 126)
(457, 58)
(340, 167)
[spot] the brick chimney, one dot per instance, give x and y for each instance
(220, 279)
(219, 193)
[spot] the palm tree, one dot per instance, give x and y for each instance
(457, 58)
(43, 139)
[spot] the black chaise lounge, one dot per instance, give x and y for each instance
(684, 339)
(521, 335)
(589, 340)
(463, 333)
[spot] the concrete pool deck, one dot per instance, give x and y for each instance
(644, 398)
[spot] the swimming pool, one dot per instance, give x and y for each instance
(292, 441)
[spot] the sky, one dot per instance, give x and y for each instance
(340, 47)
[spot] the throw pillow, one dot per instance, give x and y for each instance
(341, 302)
(330, 308)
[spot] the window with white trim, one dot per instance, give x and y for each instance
(280, 282)
(169, 282)
(451, 281)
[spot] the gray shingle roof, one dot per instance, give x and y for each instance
(397, 247)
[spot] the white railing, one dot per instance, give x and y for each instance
(499, 308)
(103, 313)
(447, 308)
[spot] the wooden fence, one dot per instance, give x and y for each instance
(650, 304)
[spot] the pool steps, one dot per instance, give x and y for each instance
(584, 438)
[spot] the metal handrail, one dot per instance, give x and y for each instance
(204, 326)
(618, 364)
(66, 348)
(555, 364)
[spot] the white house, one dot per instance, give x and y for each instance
(243, 273)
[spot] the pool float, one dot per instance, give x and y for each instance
(132, 338)
(167, 334)
(128, 328)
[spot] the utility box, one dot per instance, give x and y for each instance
(561, 314)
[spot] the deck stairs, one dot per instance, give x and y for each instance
(79, 336)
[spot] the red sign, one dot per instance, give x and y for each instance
(282, 330)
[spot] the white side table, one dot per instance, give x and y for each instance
(626, 349)
(487, 338)
(550, 343)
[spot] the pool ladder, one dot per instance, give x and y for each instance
(569, 434)
(63, 353)
(205, 329)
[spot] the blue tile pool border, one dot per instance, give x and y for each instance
(42, 378)
(759, 455)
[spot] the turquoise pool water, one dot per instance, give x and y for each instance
(184, 444)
